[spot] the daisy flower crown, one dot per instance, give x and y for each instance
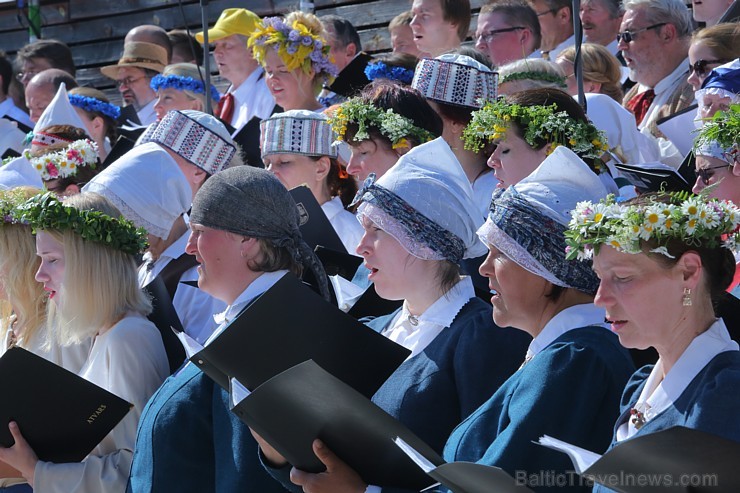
(540, 123)
(391, 125)
(95, 105)
(47, 212)
(297, 47)
(692, 219)
(182, 83)
(64, 162)
(722, 129)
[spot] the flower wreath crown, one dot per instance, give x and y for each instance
(182, 83)
(64, 163)
(297, 47)
(723, 129)
(9, 200)
(95, 105)
(395, 127)
(541, 122)
(46, 212)
(693, 219)
(543, 76)
(380, 70)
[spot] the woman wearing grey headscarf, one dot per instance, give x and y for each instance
(245, 237)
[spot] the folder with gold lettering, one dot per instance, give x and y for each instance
(61, 415)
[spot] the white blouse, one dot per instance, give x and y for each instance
(345, 223)
(128, 360)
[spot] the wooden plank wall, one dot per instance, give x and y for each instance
(94, 29)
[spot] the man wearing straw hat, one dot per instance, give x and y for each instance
(133, 73)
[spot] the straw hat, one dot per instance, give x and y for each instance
(138, 54)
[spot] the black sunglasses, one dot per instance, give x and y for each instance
(705, 175)
(629, 36)
(700, 66)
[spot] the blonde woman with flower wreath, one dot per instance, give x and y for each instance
(664, 262)
(68, 163)
(88, 267)
(295, 55)
(180, 86)
(528, 126)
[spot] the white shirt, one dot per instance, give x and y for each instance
(345, 223)
(128, 360)
(146, 114)
(660, 393)
(8, 108)
(664, 89)
(553, 54)
(612, 47)
(483, 188)
(252, 98)
(194, 307)
(573, 317)
(430, 323)
(70, 357)
(264, 282)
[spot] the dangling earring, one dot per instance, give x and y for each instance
(686, 296)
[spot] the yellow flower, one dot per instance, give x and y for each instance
(596, 142)
(401, 143)
(572, 142)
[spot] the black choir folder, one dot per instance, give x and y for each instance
(61, 415)
(289, 324)
(677, 459)
(315, 226)
(306, 402)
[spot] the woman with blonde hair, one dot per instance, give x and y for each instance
(98, 115)
(711, 47)
(181, 87)
(88, 267)
(601, 71)
(295, 55)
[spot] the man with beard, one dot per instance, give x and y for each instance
(600, 20)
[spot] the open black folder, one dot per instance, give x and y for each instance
(654, 177)
(677, 459)
(61, 415)
(305, 402)
(289, 324)
(315, 226)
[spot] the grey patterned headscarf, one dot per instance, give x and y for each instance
(252, 202)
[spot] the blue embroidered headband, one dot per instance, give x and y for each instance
(379, 70)
(534, 241)
(419, 235)
(95, 105)
(182, 84)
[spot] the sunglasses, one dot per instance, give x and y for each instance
(629, 36)
(700, 66)
(705, 175)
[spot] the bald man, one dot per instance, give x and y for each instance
(42, 88)
(149, 33)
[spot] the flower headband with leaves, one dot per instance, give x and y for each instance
(724, 130)
(543, 76)
(692, 219)
(64, 163)
(391, 125)
(9, 200)
(539, 123)
(47, 212)
(297, 47)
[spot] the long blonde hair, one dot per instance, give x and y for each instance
(24, 296)
(599, 66)
(100, 283)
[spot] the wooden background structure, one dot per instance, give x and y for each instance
(94, 29)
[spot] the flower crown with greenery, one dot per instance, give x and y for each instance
(692, 219)
(182, 83)
(9, 200)
(297, 47)
(47, 212)
(64, 162)
(724, 130)
(543, 123)
(95, 105)
(391, 125)
(543, 76)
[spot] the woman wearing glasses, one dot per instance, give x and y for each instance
(710, 48)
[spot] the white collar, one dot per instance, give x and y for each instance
(565, 44)
(679, 73)
(443, 311)
(573, 317)
(612, 47)
(244, 89)
(146, 114)
(332, 207)
(657, 395)
(265, 281)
